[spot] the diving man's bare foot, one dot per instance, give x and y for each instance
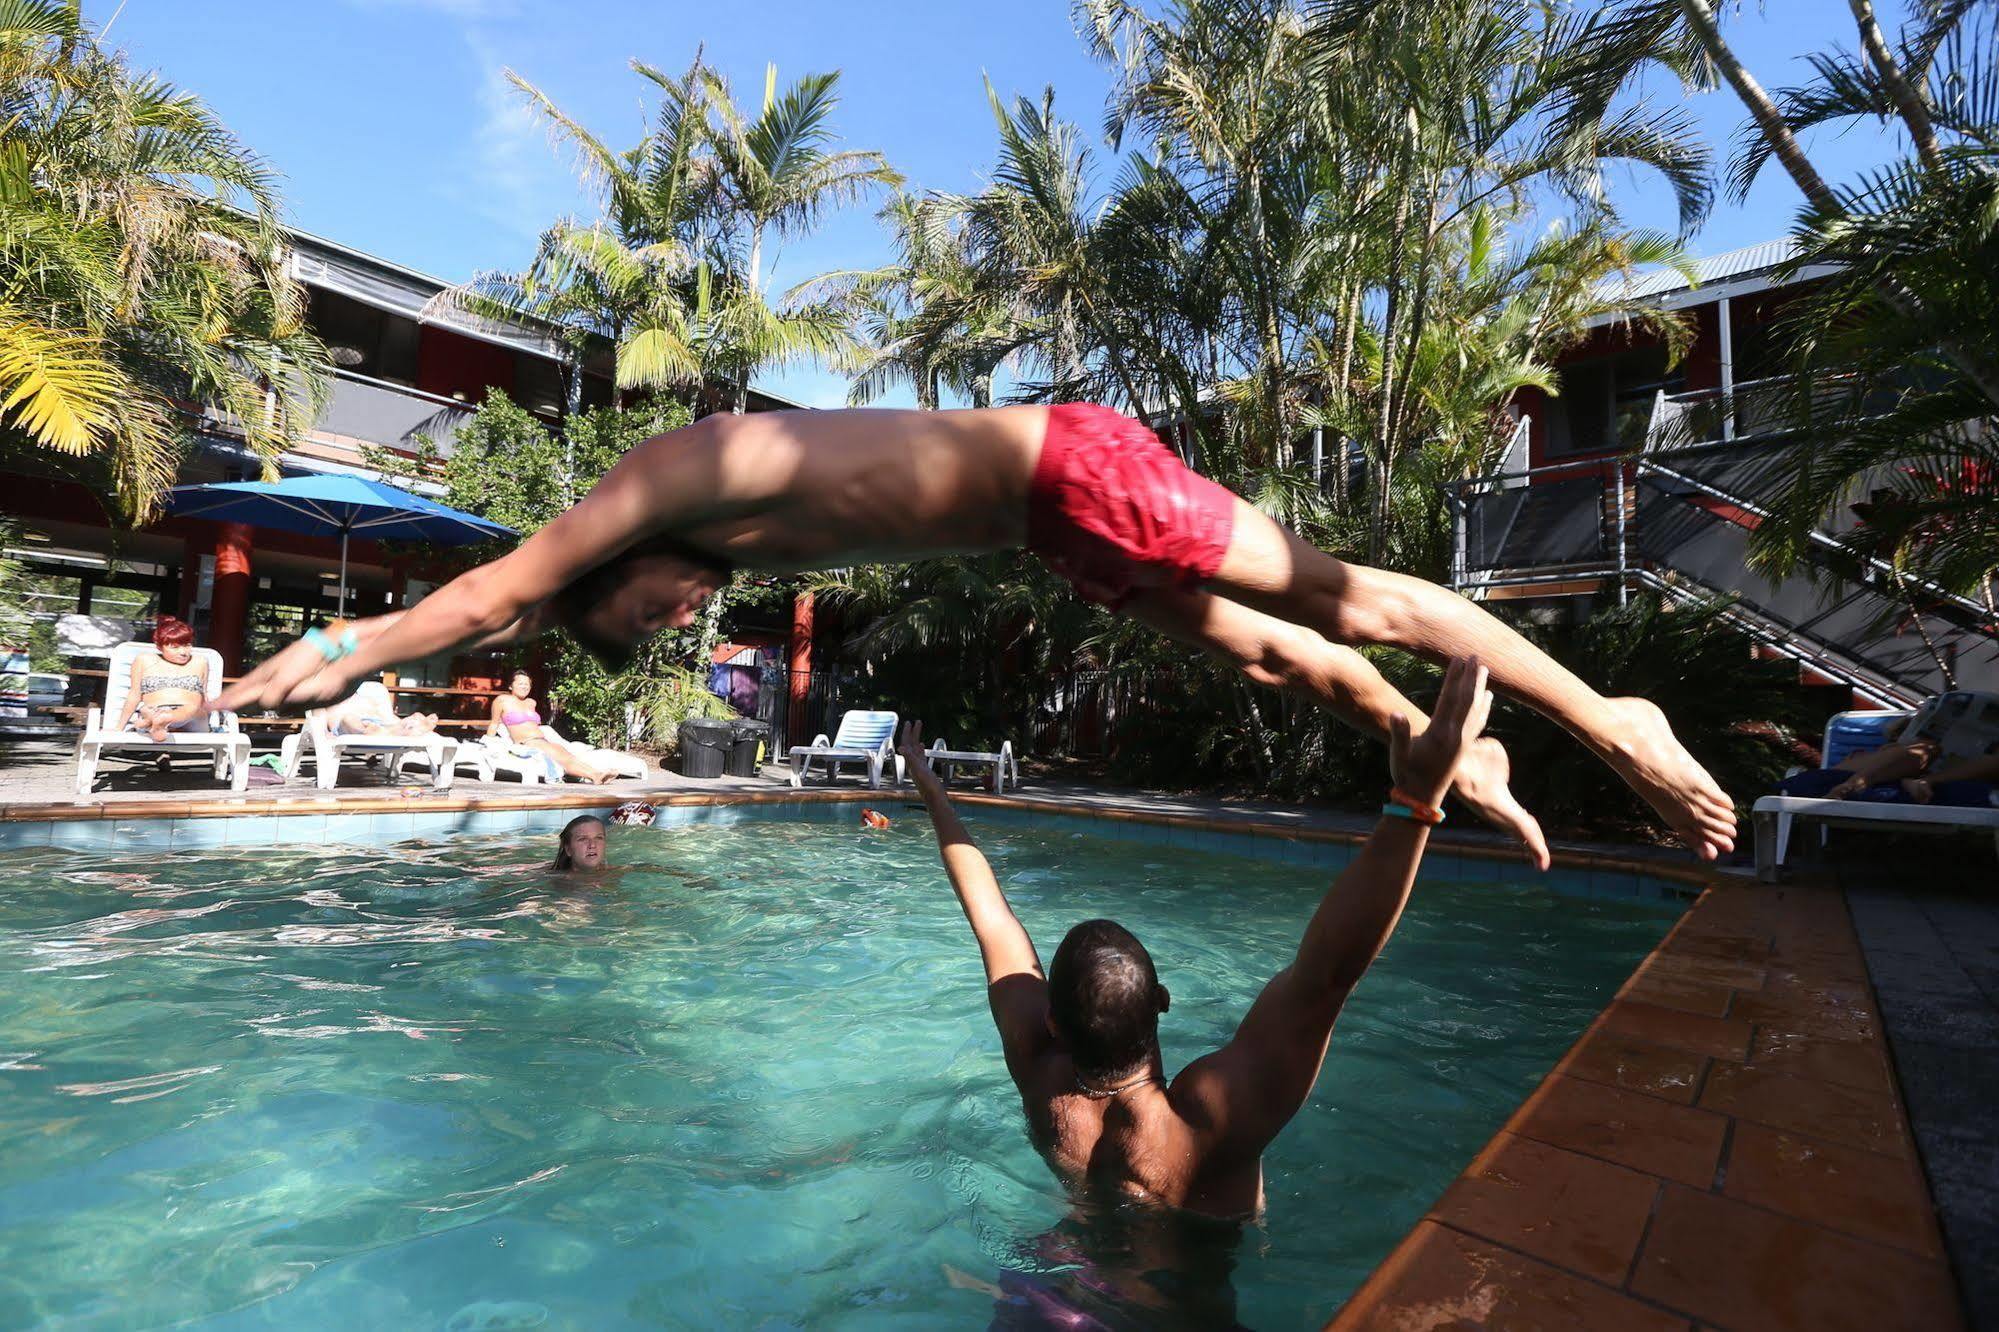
(1482, 784)
(1645, 753)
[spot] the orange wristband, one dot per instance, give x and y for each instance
(1418, 811)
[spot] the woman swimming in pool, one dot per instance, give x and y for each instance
(168, 684)
(582, 844)
(518, 720)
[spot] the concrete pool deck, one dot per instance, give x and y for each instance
(1725, 1146)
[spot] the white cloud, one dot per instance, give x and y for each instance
(511, 164)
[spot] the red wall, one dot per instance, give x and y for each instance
(449, 363)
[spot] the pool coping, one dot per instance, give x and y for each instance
(1725, 1144)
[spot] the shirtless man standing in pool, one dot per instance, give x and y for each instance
(1082, 1041)
(1094, 494)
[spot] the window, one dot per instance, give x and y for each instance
(1606, 401)
(538, 385)
(363, 339)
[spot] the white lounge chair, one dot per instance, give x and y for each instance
(484, 759)
(1847, 733)
(864, 737)
(218, 734)
(943, 759)
(317, 741)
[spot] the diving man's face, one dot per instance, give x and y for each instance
(660, 592)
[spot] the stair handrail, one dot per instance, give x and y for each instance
(1821, 539)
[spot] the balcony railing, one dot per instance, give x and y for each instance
(1753, 410)
(375, 411)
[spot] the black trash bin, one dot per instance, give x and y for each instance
(704, 747)
(749, 736)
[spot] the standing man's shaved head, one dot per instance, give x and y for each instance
(1105, 999)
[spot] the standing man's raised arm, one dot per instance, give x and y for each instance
(1250, 1088)
(1015, 985)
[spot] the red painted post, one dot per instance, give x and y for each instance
(229, 605)
(800, 665)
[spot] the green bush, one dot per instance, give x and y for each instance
(1740, 716)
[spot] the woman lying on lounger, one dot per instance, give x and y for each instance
(370, 711)
(517, 720)
(1095, 495)
(168, 684)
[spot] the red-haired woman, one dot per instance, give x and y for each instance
(168, 684)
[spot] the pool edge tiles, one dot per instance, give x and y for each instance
(1725, 1145)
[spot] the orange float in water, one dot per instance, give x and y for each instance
(875, 819)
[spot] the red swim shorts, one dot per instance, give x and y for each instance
(1114, 511)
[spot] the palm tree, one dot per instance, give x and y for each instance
(1898, 366)
(776, 175)
(925, 319)
(633, 278)
(143, 265)
(669, 274)
(1500, 100)
(1890, 395)
(1894, 87)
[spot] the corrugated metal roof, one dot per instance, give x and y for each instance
(1715, 268)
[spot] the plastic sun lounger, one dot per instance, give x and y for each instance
(1776, 816)
(864, 737)
(475, 758)
(219, 736)
(317, 741)
(943, 759)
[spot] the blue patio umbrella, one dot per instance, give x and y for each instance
(325, 504)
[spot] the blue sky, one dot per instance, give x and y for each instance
(396, 134)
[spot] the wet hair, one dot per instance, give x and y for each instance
(574, 603)
(1104, 999)
(517, 672)
(563, 860)
(171, 631)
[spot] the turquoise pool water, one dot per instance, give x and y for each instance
(749, 1081)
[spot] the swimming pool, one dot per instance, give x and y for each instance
(749, 1081)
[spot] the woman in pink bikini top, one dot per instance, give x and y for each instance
(517, 720)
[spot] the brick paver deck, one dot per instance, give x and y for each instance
(1724, 1147)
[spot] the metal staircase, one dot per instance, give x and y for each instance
(1677, 518)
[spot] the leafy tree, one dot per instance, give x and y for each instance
(141, 265)
(776, 174)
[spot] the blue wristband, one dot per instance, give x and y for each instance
(1400, 812)
(333, 649)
